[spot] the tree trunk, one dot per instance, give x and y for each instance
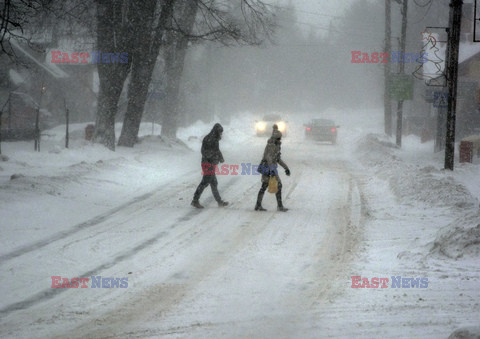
(137, 96)
(112, 37)
(174, 64)
(174, 70)
(145, 56)
(106, 110)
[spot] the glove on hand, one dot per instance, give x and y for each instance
(287, 172)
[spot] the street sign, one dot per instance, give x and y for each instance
(440, 99)
(401, 87)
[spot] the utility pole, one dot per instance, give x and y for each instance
(37, 120)
(402, 71)
(67, 123)
(387, 70)
(452, 76)
(1, 113)
(37, 130)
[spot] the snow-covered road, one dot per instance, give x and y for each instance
(360, 207)
(240, 272)
(196, 272)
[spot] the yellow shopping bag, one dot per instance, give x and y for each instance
(272, 185)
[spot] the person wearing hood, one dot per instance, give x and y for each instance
(211, 156)
(271, 159)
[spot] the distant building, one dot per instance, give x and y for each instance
(468, 101)
(427, 116)
(32, 81)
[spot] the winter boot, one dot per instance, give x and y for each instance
(196, 204)
(258, 207)
(279, 202)
(222, 203)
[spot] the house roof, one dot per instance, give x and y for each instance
(50, 68)
(468, 51)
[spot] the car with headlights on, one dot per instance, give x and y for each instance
(264, 126)
(321, 130)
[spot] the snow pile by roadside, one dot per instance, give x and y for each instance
(56, 163)
(471, 332)
(44, 193)
(461, 238)
(424, 185)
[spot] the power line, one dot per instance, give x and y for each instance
(429, 2)
(308, 12)
(329, 29)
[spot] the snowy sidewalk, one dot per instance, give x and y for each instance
(412, 211)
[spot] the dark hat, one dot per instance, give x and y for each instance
(276, 134)
(217, 128)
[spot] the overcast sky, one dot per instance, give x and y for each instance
(317, 13)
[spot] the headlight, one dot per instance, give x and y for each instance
(261, 125)
(281, 126)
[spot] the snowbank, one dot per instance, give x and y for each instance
(423, 184)
(458, 239)
(472, 332)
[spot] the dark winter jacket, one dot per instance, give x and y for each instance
(272, 155)
(210, 146)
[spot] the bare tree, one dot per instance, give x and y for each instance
(175, 51)
(139, 29)
(148, 33)
(14, 16)
(249, 22)
(19, 18)
(114, 24)
(216, 21)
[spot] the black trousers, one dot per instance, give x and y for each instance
(208, 180)
(264, 187)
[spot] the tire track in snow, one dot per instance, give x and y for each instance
(52, 292)
(81, 226)
(343, 243)
(296, 310)
(163, 296)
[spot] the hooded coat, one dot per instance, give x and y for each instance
(272, 158)
(210, 146)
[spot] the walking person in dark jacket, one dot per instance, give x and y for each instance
(211, 156)
(269, 167)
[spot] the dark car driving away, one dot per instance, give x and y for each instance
(321, 130)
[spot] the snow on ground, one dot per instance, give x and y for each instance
(425, 225)
(78, 183)
(360, 208)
